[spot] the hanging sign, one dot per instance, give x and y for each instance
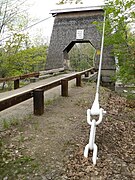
(79, 33)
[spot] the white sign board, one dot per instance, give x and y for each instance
(79, 33)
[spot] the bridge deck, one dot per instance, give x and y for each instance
(24, 109)
(24, 95)
(31, 86)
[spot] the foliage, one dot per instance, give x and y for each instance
(17, 55)
(81, 56)
(12, 12)
(24, 61)
(119, 18)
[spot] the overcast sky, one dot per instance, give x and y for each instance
(40, 10)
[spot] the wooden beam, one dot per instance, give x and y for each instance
(18, 98)
(13, 100)
(16, 84)
(78, 80)
(38, 101)
(19, 77)
(64, 87)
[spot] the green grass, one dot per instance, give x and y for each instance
(50, 101)
(15, 162)
(14, 121)
(17, 167)
(8, 123)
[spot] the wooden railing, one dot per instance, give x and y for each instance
(38, 92)
(42, 74)
(17, 79)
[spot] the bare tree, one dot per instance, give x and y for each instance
(10, 10)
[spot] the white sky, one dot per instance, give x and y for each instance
(41, 8)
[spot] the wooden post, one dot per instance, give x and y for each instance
(87, 74)
(92, 71)
(64, 87)
(16, 84)
(78, 80)
(38, 98)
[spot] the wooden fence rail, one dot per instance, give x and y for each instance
(16, 79)
(38, 92)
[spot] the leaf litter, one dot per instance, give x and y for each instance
(51, 146)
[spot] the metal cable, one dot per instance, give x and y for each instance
(101, 56)
(28, 27)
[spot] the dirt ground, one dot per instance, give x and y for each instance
(50, 147)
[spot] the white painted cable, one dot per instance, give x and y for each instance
(101, 55)
(95, 109)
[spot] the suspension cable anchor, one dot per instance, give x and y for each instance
(91, 145)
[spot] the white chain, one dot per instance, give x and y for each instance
(91, 145)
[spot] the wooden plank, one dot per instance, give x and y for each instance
(51, 71)
(71, 77)
(19, 77)
(9, 79)
(29, 75)
(91, 77)
(18, 98)
(50, 85)
(91, 70)
(13, 100)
